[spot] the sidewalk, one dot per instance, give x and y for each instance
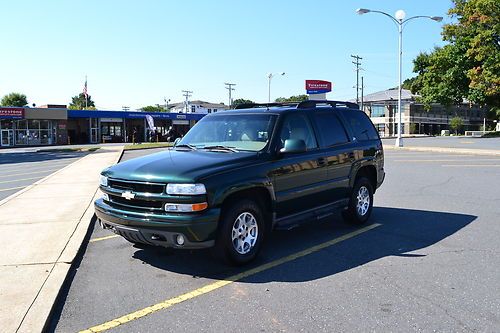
(41, 230)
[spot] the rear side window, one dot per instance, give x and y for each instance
(361, 125)
(330, 128)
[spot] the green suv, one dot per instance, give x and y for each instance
(239, 174)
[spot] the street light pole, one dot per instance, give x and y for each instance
(399, 19)
(270, 76)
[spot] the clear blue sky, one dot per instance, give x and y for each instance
(135, 53)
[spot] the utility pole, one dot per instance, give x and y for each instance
(362, 96)
(187, 94)
(229, 87)
(357, 63)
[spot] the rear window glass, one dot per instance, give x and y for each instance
(361, 125)
(330, 129)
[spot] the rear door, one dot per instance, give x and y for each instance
(298, 178)
(338, 151)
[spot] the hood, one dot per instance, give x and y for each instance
(178, 166)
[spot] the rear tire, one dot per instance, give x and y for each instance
(241, 233)
(361, 202)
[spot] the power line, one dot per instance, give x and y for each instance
(229, 87)
(357, 63)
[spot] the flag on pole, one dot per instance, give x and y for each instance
(85, 88)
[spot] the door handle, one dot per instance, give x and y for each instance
(321, 161)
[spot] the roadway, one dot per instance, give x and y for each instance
(428, 261)
(21, 169)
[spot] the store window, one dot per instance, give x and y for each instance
(378, 111)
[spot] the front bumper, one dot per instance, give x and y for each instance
(198, 229)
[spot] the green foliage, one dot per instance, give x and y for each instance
(240, 101)
(469, 66)
(456, 124)
(407, 84)
(78, 103)
(14, 99)
(153, 108)
(297, 98)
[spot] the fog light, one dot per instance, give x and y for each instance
(180, 240)
(105, 197)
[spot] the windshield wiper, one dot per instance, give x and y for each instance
(186, 145)
(221, 147)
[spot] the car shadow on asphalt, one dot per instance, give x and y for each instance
(402, 232)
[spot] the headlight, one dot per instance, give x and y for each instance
(103, 181)
(186, 189)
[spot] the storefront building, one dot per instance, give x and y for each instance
(45, 126)
(32, 126)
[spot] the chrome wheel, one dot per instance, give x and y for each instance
(245, 232)
(363, 201)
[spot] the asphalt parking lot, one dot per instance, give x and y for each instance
(21, 169)
(428, 261)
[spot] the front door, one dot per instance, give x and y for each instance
(297, 178)
(7, 137)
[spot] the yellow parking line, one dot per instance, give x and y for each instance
(102, 238)
(12, 188)
(20, 180)
(449, 160)
(470, 165)
(221, 283)
(28, 173)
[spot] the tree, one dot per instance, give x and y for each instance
(297, 98)
(456, 124)
(78, 102)
(469, 66)
(240, 101)
(153, 108)
(14, 99)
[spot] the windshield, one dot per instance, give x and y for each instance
(249, 132)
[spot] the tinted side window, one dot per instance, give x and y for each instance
(297, 126)
(330, 129)
(361, 125)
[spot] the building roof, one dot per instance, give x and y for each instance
(389, 95)
(203, 104)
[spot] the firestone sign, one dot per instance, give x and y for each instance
(318, 86)
(12, 113)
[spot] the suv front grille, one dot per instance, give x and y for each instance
(136, 203)
(136, 186)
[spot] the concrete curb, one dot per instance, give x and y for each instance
(480, 152)
(38, 316)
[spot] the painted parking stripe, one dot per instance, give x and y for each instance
(12, 188)
(20, 180)
(27, 173)
(221, 283)
(449, 160)
(471, 165)
(102, 238)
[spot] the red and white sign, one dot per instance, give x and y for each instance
(12, 112)
(318, 86)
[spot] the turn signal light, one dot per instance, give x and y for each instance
(181, 208)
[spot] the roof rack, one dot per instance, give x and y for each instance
(264, 105)
(309, 104)
(312, 104)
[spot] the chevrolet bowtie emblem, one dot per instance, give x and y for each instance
(128, 195)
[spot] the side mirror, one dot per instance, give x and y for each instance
(176, 141)
(294, 146)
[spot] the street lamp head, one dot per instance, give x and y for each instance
(282, 73)
(361, 11)
(400, 15)
(436, 18)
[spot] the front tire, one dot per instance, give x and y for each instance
(241, 233)
(361, 202)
